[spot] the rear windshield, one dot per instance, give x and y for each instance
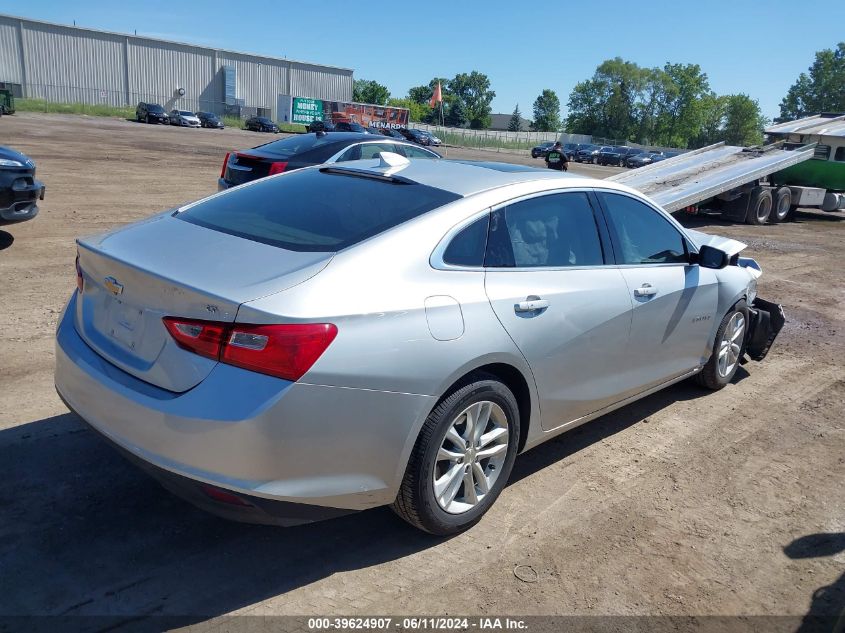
(311, 210)
(300, 143)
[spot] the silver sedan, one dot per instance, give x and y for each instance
(391, 332)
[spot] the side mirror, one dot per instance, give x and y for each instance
(710, 257)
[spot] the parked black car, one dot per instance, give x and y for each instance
(587, 153)
(151, 113)
(349, 126)
(628, 153)
(420, 137)
(304, 150)
(209, 119)
(19, 191)
(392, 133)
(611, 155)
(261, 124)
(320, 126)
(573, 150)
(641, 160)
(541, 150)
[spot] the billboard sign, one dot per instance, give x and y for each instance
(305, 111)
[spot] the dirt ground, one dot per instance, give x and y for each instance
(685, 503)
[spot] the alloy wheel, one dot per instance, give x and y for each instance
(731, 344)
(470, 457)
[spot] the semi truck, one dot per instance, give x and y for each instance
(802, 165)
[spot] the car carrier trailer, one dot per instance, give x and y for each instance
(804, 166)
(727, 179)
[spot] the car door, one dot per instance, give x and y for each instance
(564, 307)
(674, 301)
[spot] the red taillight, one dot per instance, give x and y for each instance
(201, 337)
(285, 351)
(277, 168)
(225, 163)
(80, 280)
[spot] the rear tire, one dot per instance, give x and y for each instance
(470, 483)
(760, 206)
(728, 348)
(782, 208)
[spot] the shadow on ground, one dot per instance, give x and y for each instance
(6, 240)
(827, 604)
(83, 533)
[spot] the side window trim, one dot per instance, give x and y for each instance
(687, 243)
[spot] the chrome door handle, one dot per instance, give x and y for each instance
(531, 305)
(646, 290)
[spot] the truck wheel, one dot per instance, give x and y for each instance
(760, 206)
(782, 209)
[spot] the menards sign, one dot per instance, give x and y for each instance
(304, 111)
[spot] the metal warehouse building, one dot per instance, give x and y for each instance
(78, 65)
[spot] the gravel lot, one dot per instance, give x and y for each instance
(685, 503)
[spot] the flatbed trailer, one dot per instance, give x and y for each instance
(726, 179)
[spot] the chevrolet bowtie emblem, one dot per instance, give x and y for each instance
(113, 285)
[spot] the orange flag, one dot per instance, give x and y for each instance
(437, 96)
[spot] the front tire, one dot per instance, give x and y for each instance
(728, 348)
(461, 460)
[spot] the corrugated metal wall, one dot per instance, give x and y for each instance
(10, 61)
(75, 65)
(157, 70)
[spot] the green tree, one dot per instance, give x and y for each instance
(744, 122)
(416, 111)
(473, 91)
(823, 90)
(369, 91)
(455, 114)
(680, 116)
(546, 112)
(515, 123)
(609, 103)
(712, 120)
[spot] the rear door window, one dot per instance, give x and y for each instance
(315, 210)
(557, 230)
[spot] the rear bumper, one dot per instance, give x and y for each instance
(261, 438)
(766, 320)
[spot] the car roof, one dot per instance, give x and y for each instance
(464, 178)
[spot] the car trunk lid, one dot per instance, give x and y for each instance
(165, 267)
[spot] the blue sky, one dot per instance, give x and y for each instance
(522, 47)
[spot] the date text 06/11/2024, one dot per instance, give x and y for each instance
(416, 624)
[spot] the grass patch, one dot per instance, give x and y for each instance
(123, 112)
(293, 128)
(42, 105)
(233, 121)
